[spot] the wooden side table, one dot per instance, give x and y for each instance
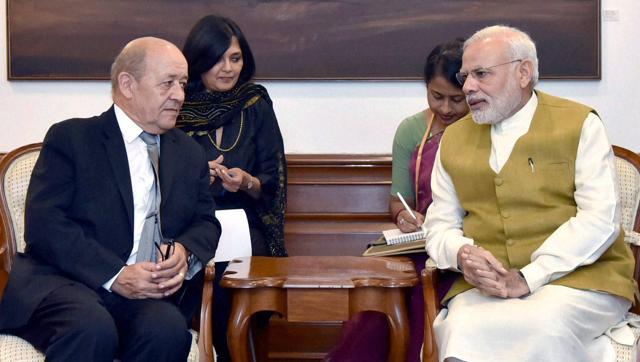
(318, 288)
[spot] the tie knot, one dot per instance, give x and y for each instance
(148, 138)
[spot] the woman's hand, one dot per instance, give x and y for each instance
(234, 179)
(407, 223)
(213, 168)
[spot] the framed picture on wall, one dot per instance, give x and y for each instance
(298, 39)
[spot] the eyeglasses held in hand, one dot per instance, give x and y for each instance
(480, 74)
(168, 251)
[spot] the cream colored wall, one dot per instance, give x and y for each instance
(342, 116)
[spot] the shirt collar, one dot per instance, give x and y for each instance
(130, 130)
(521, 120)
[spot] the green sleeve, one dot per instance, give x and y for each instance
(407, 138)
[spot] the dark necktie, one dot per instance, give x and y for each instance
(151, 231)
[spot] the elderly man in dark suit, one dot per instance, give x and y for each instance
(116, 242)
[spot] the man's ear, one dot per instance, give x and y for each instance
(525, 73)
(126, 83)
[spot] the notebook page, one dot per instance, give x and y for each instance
(395, 236)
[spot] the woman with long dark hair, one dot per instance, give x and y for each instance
(233, 119)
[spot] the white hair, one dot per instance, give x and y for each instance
(520, 44)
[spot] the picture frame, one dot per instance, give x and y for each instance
(298, 40)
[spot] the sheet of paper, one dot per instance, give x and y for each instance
(235, 240)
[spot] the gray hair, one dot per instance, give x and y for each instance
(131, 60)
(520, 44)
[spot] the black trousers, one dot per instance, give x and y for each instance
(76, 323)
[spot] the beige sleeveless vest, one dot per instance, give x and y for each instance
(511, 213)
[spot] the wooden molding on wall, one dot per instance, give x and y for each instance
(336, 204)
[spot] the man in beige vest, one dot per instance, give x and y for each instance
(524, 207)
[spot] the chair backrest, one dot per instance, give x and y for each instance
(15, 173)
(628, 168)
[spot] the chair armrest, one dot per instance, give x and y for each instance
(431, 310)
(205, 337)
(4, 278)
(4, 274)
(635, 249)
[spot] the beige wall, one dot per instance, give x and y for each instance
(343, 116)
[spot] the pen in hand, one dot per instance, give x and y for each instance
(406, 206)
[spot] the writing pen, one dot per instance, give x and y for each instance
(406, 206)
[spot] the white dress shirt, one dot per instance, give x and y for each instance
(142, 178)
(581, 240)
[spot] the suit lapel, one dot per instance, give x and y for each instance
(117, 155)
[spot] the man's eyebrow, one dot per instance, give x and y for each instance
(174, 76)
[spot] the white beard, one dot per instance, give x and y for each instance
(499, 107)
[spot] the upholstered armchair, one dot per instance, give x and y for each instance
(628, 167)
(15, 172)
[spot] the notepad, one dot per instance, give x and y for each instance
(380, 248)
(395, 236)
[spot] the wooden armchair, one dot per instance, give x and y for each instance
(15, 172)
(628, 167)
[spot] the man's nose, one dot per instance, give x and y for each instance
(470, 85)
(177, 92)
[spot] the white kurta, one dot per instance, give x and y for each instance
(555, 323)
(581, 240)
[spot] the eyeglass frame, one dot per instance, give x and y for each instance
(461, 77)
(171, 246)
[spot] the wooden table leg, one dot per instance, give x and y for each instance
(391, 302)
(398, 325)
(239, 321)
(245, 303)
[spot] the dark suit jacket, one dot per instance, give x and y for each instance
(79, 211)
